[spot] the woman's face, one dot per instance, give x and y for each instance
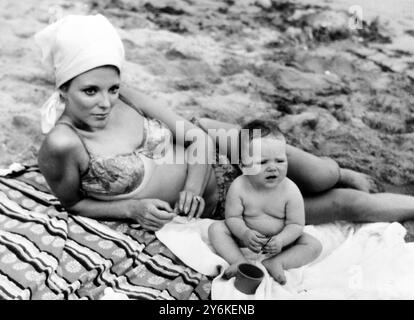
(91, 96)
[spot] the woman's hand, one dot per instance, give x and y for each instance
(190, 204)
(151, 214)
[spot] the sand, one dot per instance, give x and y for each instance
(336, 91)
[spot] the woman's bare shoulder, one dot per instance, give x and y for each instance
(62, 154)
(61, 141)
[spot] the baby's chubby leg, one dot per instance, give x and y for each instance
(303, 251)
(226, 246)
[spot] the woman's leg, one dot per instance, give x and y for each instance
(358, 206)
(312, 174)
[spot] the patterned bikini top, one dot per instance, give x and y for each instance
(122, 174)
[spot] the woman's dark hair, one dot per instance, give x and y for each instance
(64, 87)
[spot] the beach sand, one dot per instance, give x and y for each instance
(335, 90)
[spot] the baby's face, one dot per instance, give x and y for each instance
(267, 166)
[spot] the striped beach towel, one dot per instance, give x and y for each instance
(46, 253)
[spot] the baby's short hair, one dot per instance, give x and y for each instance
(259, 128)
(266, 127)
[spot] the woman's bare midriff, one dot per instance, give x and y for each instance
(168, 180)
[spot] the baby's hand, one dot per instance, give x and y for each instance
(274, 246)
(254, 240)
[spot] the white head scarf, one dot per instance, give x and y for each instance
(72, 46)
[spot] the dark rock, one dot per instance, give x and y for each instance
(26, 124)
(342, 115)
(374, 31)
(174, 54)
(327, 25)
(289, 122)
(231, 66)
(21, 121)
(385, 123)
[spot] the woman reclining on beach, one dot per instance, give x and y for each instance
(107, 149)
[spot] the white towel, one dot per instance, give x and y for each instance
(188, 240)
(358, 261)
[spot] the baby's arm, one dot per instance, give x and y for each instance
(294, 221)
(235, 222)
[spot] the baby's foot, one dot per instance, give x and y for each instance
(231, 271)
(357, 180)
(275, 269)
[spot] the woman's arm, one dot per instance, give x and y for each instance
(151, 214)
(60, 165)
(184, 131)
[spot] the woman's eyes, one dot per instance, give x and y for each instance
(114, 90)
(89, 91)
(92, 91)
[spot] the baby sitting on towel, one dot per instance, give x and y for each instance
(264, 209)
